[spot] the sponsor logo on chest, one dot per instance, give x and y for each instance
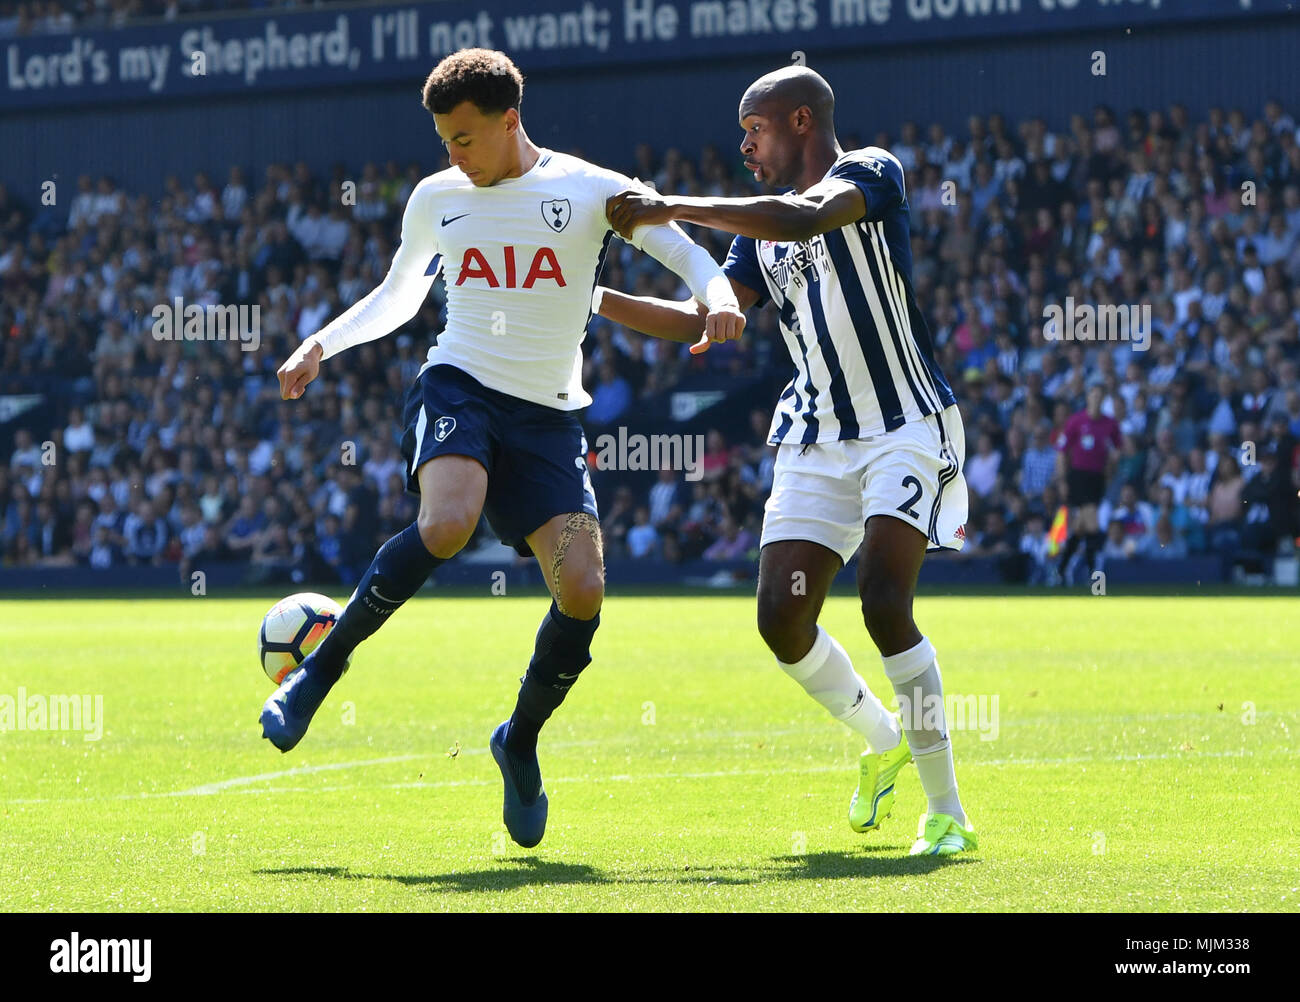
(793, 265)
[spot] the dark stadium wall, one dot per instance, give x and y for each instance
(605, 113)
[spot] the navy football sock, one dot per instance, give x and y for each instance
(562, 651)
(398, 571)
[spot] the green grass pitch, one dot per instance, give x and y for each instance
(1145, 758)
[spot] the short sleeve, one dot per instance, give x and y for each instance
(879, 178)
(742, 266)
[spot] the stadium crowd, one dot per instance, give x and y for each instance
(181, 452)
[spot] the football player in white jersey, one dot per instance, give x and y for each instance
(870, 440)
(519, 233)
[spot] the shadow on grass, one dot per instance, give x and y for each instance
(837, 865)
(513, 873)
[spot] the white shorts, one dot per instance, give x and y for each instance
(826, 492)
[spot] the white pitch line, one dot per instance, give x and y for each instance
(799, 771)
(301, 770)
(207, 789)
(232, 786)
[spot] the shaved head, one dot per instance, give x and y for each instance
(788, 118)
(787, 89)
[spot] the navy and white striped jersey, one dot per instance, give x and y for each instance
(864, 361)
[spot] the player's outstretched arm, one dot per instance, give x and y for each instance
(826, 206)
(685, 322)
(395, 301)
(671, 247)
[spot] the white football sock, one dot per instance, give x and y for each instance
(939, 781)
(827, 675)
(915, 676)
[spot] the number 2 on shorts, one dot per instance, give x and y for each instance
(906, 507)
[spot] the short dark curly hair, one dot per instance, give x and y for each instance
(484, 76)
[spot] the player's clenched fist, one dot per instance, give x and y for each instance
(635, 207)
(302, 367)
(725, 324)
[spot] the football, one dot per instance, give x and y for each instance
(292, 629)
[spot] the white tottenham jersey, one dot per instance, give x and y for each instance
(864, 362)
(521, 259)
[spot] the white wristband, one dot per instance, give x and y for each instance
(720, 294)
(597, 295)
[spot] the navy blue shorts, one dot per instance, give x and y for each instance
(535, 456)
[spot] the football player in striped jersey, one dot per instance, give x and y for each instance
(870, 441)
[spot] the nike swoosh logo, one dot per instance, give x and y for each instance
(445, 220)
(561, 674)
(375, 592)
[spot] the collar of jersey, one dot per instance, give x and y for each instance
(542, 154)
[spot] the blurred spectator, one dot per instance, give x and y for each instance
(1119, 545)
(146, 534)
(982, 468)
(611, 397)
(79, 436)
(734, 543)
(715, 459)
(1163, 543)
(1033, 547)
(1225, 506)
(244, 529)
(665, 507)
(642, 539)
